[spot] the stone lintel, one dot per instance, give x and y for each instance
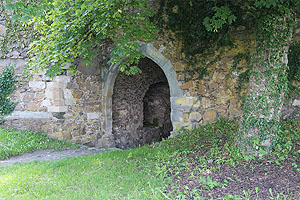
(29, 115)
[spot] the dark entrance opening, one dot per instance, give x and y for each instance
(157, 111)
(141, 107)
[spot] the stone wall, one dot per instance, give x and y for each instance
(101, 107)
(67, 107)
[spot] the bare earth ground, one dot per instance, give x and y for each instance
(263, 175)
(51, 154)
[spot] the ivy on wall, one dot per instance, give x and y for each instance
(18, 34)
(7, 86)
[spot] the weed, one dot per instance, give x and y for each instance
(209, 184)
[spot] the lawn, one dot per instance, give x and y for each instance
(15, 142)
(200, 164)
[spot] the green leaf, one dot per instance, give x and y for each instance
(16, 17)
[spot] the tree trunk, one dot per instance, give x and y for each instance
(259, 125)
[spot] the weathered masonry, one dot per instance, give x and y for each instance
(103, 107)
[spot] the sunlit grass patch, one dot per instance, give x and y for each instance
(111, 175)
(15, 142)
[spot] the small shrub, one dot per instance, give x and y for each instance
(7, 86)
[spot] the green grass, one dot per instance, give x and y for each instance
(112, 175)
(14, 142)
(140, 173)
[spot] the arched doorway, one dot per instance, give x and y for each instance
(107, 139)
(141, 106)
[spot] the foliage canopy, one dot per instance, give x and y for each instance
(67, 30)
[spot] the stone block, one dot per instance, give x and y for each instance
(77, 94)
(58, 135)
(31, 107)
(39, 95)
(15, 54)
(62, 79)
(187, 85)
(206, 103)
(106, 141)
(2, 29)
(91, 116)
(57, 108)
(57, 94)
(60, 85)
(221, 101)
(69, 100)
(50, 84)
(222, 113)
(54, 93)
(210, 116)
(177, 115)
(195, 117)
(28, 97)
(37, 84)
(59, 102)
(46, 103)
(188, 102)
(234, 112)
(68, 93)
(179, 66)
(178, 125)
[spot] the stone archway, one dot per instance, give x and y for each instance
(141, 106)
(107, 140)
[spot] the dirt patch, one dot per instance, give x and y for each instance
(259, 179)
(51, 154)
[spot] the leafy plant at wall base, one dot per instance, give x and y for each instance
(7, 86)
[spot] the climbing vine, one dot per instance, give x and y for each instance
(259, 128)
(7, 86)
(18, 35)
